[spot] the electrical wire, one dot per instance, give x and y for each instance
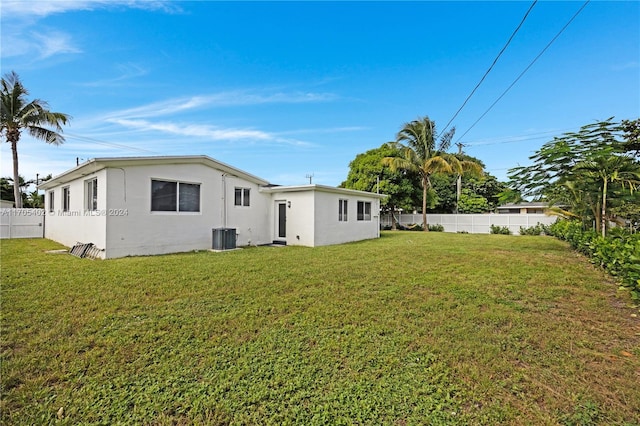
(520, 138)
(527, 68)
(491, 67)
(105, 143)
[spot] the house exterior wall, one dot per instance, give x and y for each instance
(252, 223)
(300, 217)
(124, 223)
(139, 231)
(77, 224)
(329, 230)
(312, 218)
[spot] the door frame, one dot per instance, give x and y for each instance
(276, 221)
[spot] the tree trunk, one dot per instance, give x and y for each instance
(16, 177)
(458, 192)
(425, 182)
(394, 227)
(603, 214)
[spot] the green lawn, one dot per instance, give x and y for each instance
(413, 328)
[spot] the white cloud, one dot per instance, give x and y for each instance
(24, 36)
(39, 44)
(626, 66)
(126, 72)
(222, 99)
(204, 131)
(53, 43)
(141, 119)
(316, 131)
(42, 8)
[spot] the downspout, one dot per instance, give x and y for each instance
(224, 200)
(379, 213)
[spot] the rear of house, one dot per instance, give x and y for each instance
(318, 215)
(156, 205)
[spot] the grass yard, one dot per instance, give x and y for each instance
(409, 329)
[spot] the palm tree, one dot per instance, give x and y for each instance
(17, 113)
(419, 154)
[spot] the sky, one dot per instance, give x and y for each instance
(289, 90)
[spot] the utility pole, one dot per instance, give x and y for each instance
(459, 180)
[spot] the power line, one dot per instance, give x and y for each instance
(518, 138)
(527, 68)
(491, 67)
(105, 143)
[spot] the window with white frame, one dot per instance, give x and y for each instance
(91, 194)
(51, 199)
(342, 210)
(66, 198)
(242, 197)
(364, 210)
(173, 196)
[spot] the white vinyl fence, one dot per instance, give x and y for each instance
(473, 223)
(22, 223)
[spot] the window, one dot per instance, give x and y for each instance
(66, 199)
(51, 198)
(242, 197)
(167, 196)
(342, 210)
(91, 191)
(364, 210)
(189, 197)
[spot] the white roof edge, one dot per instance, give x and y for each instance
(325, 188)
(99, 163)
(524, 204)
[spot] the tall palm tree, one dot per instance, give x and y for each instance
(421, 154)
(17, 114)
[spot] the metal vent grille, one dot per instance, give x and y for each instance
(85, 250)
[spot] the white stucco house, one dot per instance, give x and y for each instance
(131, 206)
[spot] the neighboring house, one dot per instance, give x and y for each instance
(524, 208)
(153, 205)
(6, 204)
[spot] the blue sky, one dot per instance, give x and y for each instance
(284, 90)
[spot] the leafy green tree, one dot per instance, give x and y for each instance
(33, 200)
(626, 211)
(445, 186)
(6, 189)
(444, 189)
(422, 155)
(17, 114)
(509, 195)
(583, 170)
(631, 129)
(367, 173)
(8, 192)
(472, 203)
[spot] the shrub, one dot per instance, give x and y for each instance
(618, 253)
(532, 230)
(504, 230)
(436, 227)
